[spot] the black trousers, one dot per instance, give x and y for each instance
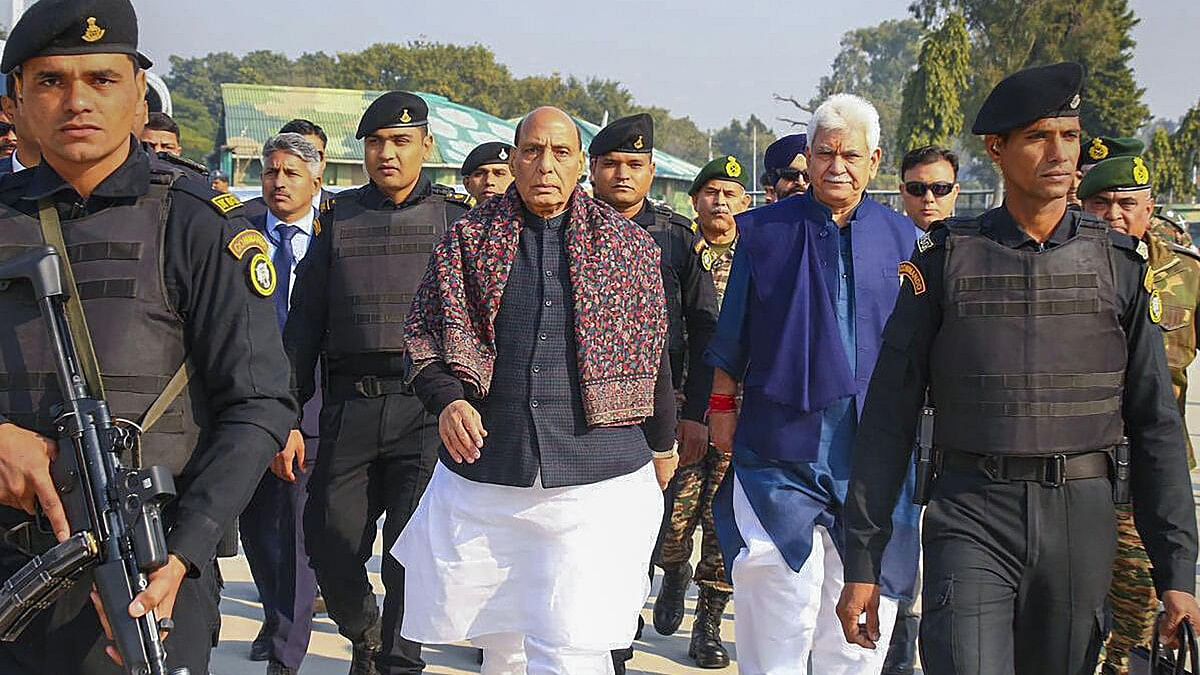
(376, 457)
(67, 638)
(1016, 576)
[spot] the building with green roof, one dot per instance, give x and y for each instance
(254, 112)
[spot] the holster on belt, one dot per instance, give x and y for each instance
(1121, 472)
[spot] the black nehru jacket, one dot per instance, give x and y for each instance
(882, 449)
(534, 410)
(233, 339)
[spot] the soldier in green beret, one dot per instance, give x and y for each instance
(1118, 190)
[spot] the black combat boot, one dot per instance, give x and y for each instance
(668, 606)
(706, 648)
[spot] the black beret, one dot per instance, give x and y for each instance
(494, 152)
(395, 109)
(73, 27)
(1030, 95)
(628, 134)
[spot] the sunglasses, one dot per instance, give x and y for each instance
(918, 189)
(6, 128)
(793, 175)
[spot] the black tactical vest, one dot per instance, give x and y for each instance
(379, 258)
(1030, 358)
(117, 256)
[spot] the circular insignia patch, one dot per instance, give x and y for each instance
(1099, 150)
(732, 168)
(262, 275)
(1156, 306)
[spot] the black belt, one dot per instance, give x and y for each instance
(1050, 471)
(370, 386)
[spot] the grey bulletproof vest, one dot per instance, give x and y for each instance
(379, 258)
(1030, 358)
(139, 339)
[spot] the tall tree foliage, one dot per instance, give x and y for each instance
(931, 112)
(1169, 175)
(1008, 35)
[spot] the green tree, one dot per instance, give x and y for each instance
(1008, 35)
(197, 128)
(1169, 176)
(737, 139)
(931, 113)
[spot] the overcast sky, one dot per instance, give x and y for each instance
(706, 60)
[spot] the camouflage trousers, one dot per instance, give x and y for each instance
(1134, 604)
(692, 491)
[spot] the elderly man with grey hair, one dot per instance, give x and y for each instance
(272, 524)
(812, 284)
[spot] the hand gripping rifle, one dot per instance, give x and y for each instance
(115, 512)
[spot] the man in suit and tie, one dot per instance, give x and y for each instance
(313, 133)
(272, 524)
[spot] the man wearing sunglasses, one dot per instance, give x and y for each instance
(786, 167)
(24, 151)
(929, 187)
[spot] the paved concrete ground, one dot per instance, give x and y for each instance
(329, 653)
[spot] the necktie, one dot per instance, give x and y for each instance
(284, 261)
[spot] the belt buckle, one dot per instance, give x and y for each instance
(993, 467)
(368, 386)
(1054, 471)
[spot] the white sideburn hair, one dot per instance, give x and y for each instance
(841, 112)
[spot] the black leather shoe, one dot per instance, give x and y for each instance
(366, 649)
(260, 649)
(706, 649)
(277, 668)
(668, 606)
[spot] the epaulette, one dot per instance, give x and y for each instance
(1135, 247)
(439, 189)
(673, 216)
(1184, 250)
(184, 163)
(226, 204)
(465, 201)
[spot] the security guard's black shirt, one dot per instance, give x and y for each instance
(692, 308)
(1161, 486)
(232, 335)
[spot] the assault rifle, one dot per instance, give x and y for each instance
(115, 512)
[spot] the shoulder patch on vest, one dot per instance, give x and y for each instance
(1143, 250)
(1134, 246)
(247, 240)
(263, 278)
(1156, 306)
(913, 274)
(226, 203)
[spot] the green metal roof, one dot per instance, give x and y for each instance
(668, 166)
(255, 112)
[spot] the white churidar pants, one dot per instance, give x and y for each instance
(784, 617)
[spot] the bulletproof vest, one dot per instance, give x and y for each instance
(117, 257)
(379, 258)
(1030, 358)
(676, 339)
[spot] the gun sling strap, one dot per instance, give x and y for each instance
(85, 351)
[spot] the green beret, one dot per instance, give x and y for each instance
(722, 168)
(1101, 148)
(1120, 174)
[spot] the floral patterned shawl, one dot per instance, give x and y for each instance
(620, 308)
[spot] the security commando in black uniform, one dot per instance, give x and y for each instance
(622, 168)
(378, 445)
(1033, 327)
(166, 276)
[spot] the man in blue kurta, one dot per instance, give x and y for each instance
(814, 280)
